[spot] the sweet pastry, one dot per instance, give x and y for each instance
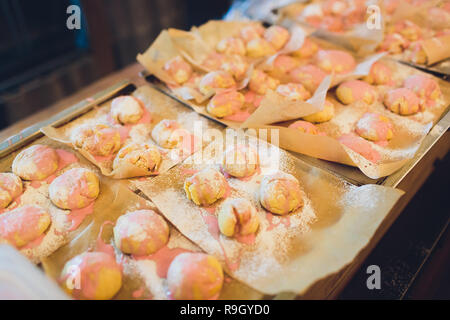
(238, 217)
(168, 133)
(195, 276)
(225, 103)
(426, 88)
(277, 36)
(307, 50)
(213, 61)
(309, 76)
(305, 127)
(402, 101)
(335, 61)
(260, 82)
(415, 53)
(356, 90)
(374, 127)
(205, 187)
(215, 80)
(379, 74)
(98, 140)
(240, 161)
(22, 225)
(138, 159)
(408, 29)
(360, 146)
(178, 69)
(10, 188)
(251, 32)
(293, 91)
(322, 116)
(231, 46)
(141, 232)
(259, 47)
(280, 193)
(283, 64)
(74, 189)
(394, 43)
(36, 162)
(92, 276)
(234, 65)
(126, 110)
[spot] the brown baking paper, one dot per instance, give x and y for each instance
(140, 277)
(159, 106)
(292, 252)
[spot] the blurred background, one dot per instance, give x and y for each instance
(42, 61)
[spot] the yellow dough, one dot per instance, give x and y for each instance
(238, 217)
(240, 161)
(126, 110)
(167, 133)
(322, 116)
(36, 162)
(205, 187)
(144, 158)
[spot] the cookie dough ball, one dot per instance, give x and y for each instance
(402, 101)
(260, 82)
(356, 90)
(238, 217)
(74, 189)
(92, 276)
(293, 91)
(335, 61)
(277, 36)
(251, 32)
(206, 187)
(280, 193)
(231, 46)
(322, 116)
(309, 76)
(283, 64)
(307, 50)
(195, 276)
(225, 103)
(305, 127)
(235, 65)
(126, 110)
(426, 88)
(360, 146)
(10, 188)
(141, 232)
(379, 74)
(22, 225)
(143, 158)
(374, 127)
(178, 69)
(167, 133)
(394, 43)
(98, 140)
(240, 161)
(37, 162)
(259, 47)
(216, 80)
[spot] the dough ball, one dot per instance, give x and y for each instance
(335, 61)
(251, 32)
(307, 50)
(195, 276)
(36, 162)
(356, 90)
(394, 43)
(22, 225)
(238, 217)
(231, 46)
(260, 82)
(293, 91)
(216, 80)
(322, 116)
(240, 161)
(178, 69)
(92, 276)
(127, 110)
(145, 158)
(168, 133)
(10, 188)
(305, 127)
(416, 54)
(74, 189)
(402, 101)
(277, 36)
(259, 47)
(408, 29)
(206, 187)
(141, 232)
(235, 65)
(374, 127)
(425, 87)
(98, 140)
(280, 193)
(309, 76)
(379, 74)
(225, 103)
(283, 64)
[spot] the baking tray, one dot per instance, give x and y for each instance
(348, 173)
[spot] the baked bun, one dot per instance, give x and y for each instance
(293, 91)
(309, 76)
(141, 232)
(408, 29)
(238, 217)
(126, 110)
(307, 50)
(168, 133)
(260, 82)
(402, 101)
(205, 187)
(195, 276)
(178, 69)
(425, 87)
(22, 225)
(335, 61)
(231, 46)
(379, 74)
(92, 276)
(235, 65)
(225, 103)
(216, 80)
(259, 47)
(394, 43)
(74, 189)
(277, 36)
(251, 32)
(374, 127)
(305, 127)
(98, 140)
(37, 162)
(356, 90)
(322, 116)
(280, 193)
(240, 161)
(10, 188)
(138, 159)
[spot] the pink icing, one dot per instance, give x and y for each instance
(361, 146)
(100, 245)
(77, 216)
(34, 243)
(359, 89)
(239, 116)
(286, 221)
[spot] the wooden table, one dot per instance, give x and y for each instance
(329, 287)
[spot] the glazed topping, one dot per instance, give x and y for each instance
(10, 188)
(379, 74)
(36, 162)
(426, 88)
(260, 82)
(206, 187)
(361, 146)
(226, 103)
(98, 140)
(308, 49)
(355, 90)
(335, 61)
(216, 80)
(178, 69)
(309, 76)
(305, 127)
(284, 64)
(294, 91)
(374, 127)
(402, 101)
